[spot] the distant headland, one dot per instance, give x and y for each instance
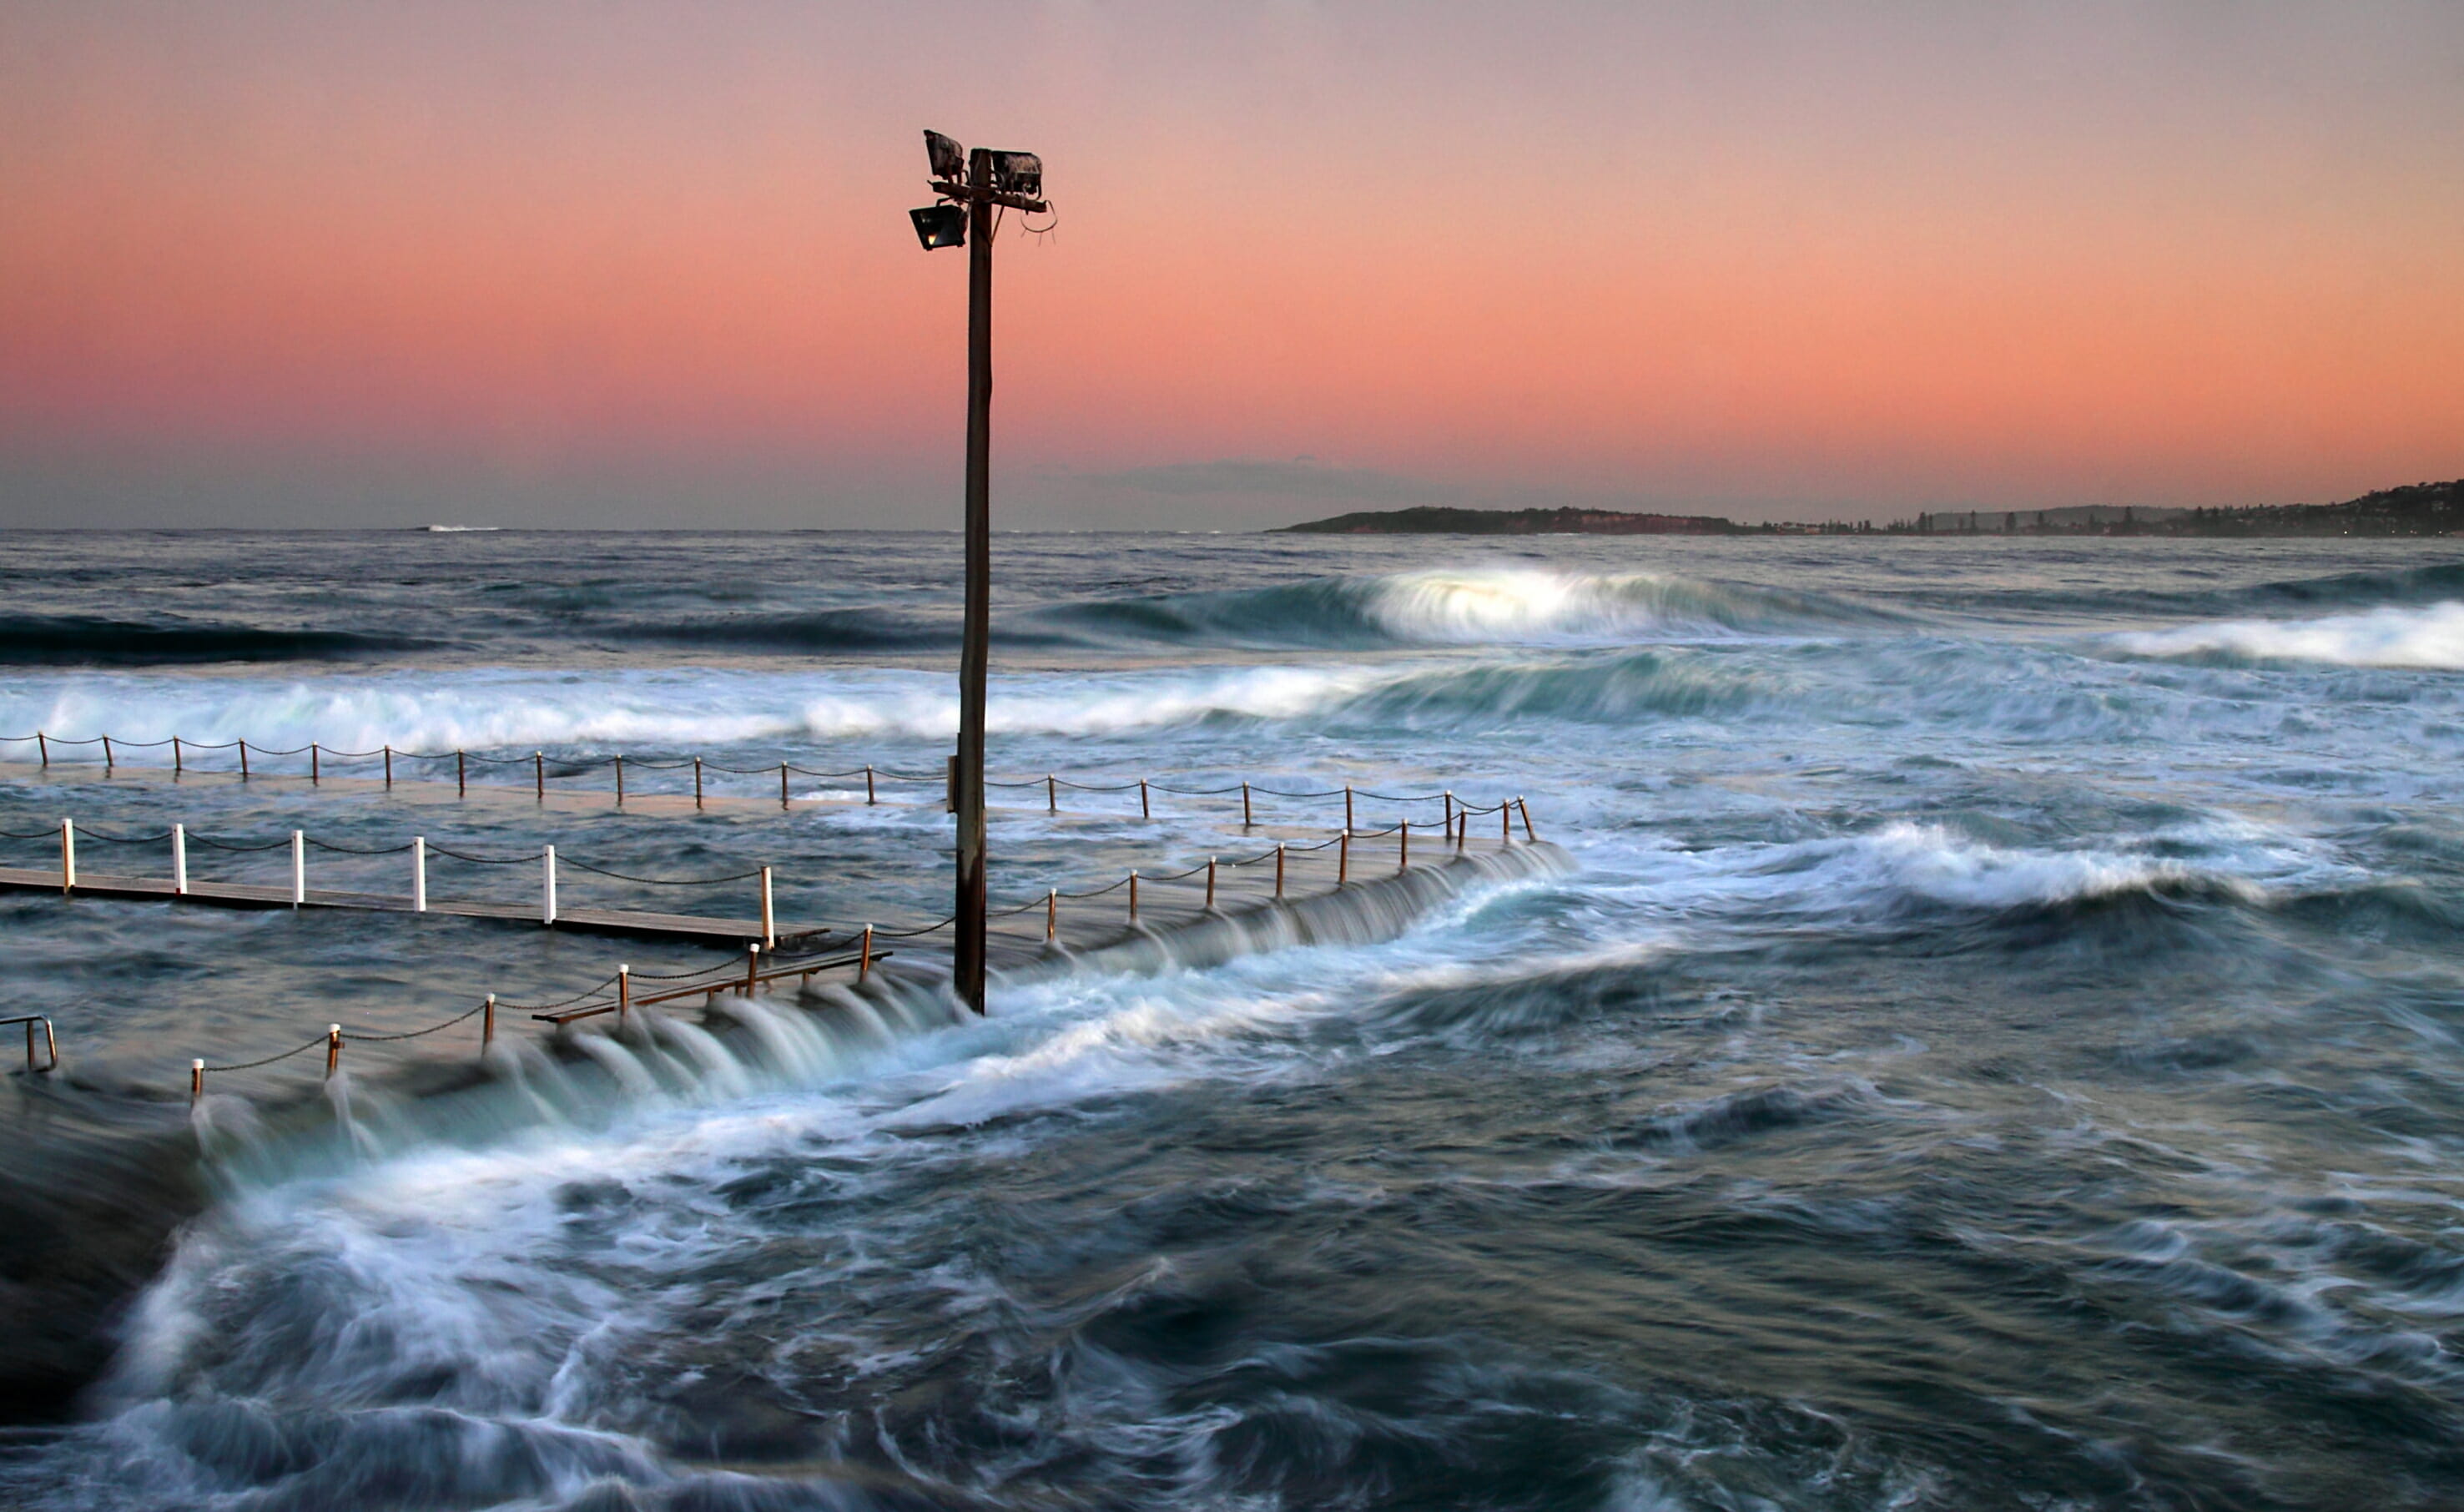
(2419, 509)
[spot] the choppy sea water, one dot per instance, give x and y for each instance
(1998, 1046)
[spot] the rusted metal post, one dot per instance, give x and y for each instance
(68, 857)
(620, 779)
(1210, 883)
(333, 1049)
(196, 1082)
(782, 784)
(1051, 914)
(752, 967)
(864, 960)
(538, 773)
(1051, 794)
(43, 747)
(1450, 812)
(1279, 872)
(1247, 818)
(1133, 895)
(1504, 825)
(1347, 808)
(461, 778)
(1144, 812)
(1462, 829)
(298, 868)
(623, 996)
(1525, 809)
(314, 778)
(389, 755)
(243, 761)
(1404, 847)
(488, 1023)
(107, 765)
(696, 781)
(419, 874)
(869, 798)
(177, 766)
(1343, 860)
(547, 885)
(769, 919)
(180, 860)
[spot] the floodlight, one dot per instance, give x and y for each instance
(940, 226)
(1018, 173)
(949, 159)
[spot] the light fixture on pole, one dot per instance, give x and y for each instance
(971, 186)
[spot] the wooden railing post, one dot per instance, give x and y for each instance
(389, 755)
(1051, 914)
(1279, 872)
(43, 749)
(696, 783)
(538, 773)
(1343, 860)
(243, 761)
(107, 764)
(1403, 849)
(864, 960)
(1347, 808)
(782, 784)
(1525, 809)
(176, 766)
(1247, 818)
(1144, 811)
(314, 776)
(1210, 883)
(1051, 794)
(869, 798)
(1133, 895)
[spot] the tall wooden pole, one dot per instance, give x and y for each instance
(976, 653)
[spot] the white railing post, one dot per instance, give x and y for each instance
(298, 868)
(68, 857)
(547, 885)
(180, 860)
(769, 920)
(419, 874)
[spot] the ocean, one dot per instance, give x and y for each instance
(1991, 1042)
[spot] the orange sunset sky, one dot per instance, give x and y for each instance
(632, 264)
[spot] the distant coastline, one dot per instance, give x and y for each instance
(2419, 509)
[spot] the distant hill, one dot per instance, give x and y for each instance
(2418, 509)
(1436, 521)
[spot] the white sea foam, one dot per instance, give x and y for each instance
(1530, 605)
(687, 707)
(2431, 636)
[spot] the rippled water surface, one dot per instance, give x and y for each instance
(1997, 1045)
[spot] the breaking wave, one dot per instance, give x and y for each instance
(2430, 637)
(1480, 607)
